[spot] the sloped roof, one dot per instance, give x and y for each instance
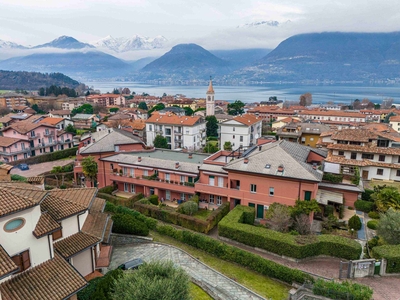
(60, 112)
(51, 121)
(52, 280)
(172, 119)
(13, 200)
(247, 119)
(292, 156)
(98, 205)
(107, 142)
(45, 225)
(83, 116)
(75, 244)
(210, 88)
(7, 265)
(95, 224)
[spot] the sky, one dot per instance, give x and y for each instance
(211, 24)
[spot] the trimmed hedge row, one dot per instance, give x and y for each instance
(118, 209)
(183, 220)
(373, 224)
(52, 156)
(364, 206)
(119, 201)
(230, 253)
(343, 290)
(127, 224)
(299, 247)
(391, 253)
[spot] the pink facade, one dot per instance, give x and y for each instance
(16, 151)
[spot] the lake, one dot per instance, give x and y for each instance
(320, 93)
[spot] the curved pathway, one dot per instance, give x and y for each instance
(217, 284)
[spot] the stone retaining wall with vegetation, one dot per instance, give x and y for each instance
(392, 255)
(56, 155)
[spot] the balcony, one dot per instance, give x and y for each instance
(159, 131)
(178, 132)
(5, 153)
(182, 187)
(49, 133)
(44, 145)
(211, 189)
(178, 140)
(36, 136)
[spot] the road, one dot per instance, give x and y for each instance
(38, 169)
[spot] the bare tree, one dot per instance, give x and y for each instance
(305, 99)
(302, 224)
(4, 110)
(387, 103)
(280, 219)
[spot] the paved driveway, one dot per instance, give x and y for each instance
(217, 283)
(38, 169)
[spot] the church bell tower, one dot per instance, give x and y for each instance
(210, 104)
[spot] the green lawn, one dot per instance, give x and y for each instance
(373, 183)
(202, 214)
(260, 284)
(197, 293)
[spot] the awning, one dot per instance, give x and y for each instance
(324, 196)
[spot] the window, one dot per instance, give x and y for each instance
(271, 191)
(221, 181)
(57, 234)
(132, 173)
(47, 131)
(307, 195)
(50, 140)
(367, 156)
(125, 171)
(253, 188)
(182, 178)
(398, 173)
(150, 127)
(341, 152)
(132, 188)
(32, 133)
(233, 128)
(183, 196)
(145, 173)
(233, 137)
(14, 225)
(381, 157)
(167, 177)
(382, 143)
(211, 180)
(112, 166)
(241, 138)
(167, 131)
(4, 149)
(379, 172)
(22, 260)
(15, 157)
(219, 200)
(211, 198)
(126, 187)
(15, 146)
(353, 155)
(190, 179)
(22, 146)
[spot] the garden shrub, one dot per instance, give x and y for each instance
(374, 215)
(373, 224)
(188, 208)
(342, 290)
(183, 220)
(233, 254)
(285, 244)
(52, 156)
(145, 201)
(391, 253)
(151, 223)
(153, 199)
(107, 189)
(127, 224)
(355, 223)
(108, 197)
(364, 206)
(100, 288)
(334, 178)
(328, 210)
(16, 177)
(366, 195)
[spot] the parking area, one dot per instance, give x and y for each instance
(38, 169)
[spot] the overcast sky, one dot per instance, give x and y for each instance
(212, 24)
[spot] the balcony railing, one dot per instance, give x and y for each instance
(162, 183)
(49, 133)
(34, 136)
(44, 145)
(178, 132)
(5, 153)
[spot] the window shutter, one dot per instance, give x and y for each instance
(25, 259)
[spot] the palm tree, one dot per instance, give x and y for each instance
(386, 198)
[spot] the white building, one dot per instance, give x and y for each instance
(242, 131)
(210, 101)
(181, 132)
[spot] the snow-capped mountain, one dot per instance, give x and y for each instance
(270, 23)
(10, 45)
(123, 44)
(64, 42)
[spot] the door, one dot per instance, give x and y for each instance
(365, 175)
(51, 149)
(260, 211)
(168, 195)
(237, 202)
(33, 153)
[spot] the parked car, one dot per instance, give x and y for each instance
(23, 167)
(132, 264)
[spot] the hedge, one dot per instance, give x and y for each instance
(233, 227)
(391, 253)
(374, 215)
(127, 224)
(119, 201)
(343, 290)
(230, 253)
(119, 209)
(176, 218)
(355, 223)
(364, 206)
(373, 224)
(334, 178)
(16, 177)
(52, 156)
(107, 189)
(100, 287)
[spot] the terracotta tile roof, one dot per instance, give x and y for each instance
(394, 118)
(52, 280)
(119, 117)
(107, 232)
(18, 184)
(35, 180)
(327, 133)
(138, 124)
(45, 225)
(6, 167)
(7, 141)
(11, 202)
(334, 113)
(60, 208)
(24, 127)
(51, 121)
(288, 120)
(172, 119)
(272, 110)
(103, 96)
(247, 119)
(26, 190)
(358, 135)
(361, 163)
(95, 224)
(60, 112)
(82, 196)
(75, 243)
(365, 149)
(378, 127)
(7, 265)
(98, 205)
(5, 119)
(19, 107)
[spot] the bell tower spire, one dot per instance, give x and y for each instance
(210, 104)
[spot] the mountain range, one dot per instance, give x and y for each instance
(328, 57)
(123, 44)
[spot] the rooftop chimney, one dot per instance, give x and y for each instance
(281, 168)
(139, 159)
(259, 148)
(190, 155)
(177, 165)
(246, 160)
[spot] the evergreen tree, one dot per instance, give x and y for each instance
(211, 126)
(160, 142)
